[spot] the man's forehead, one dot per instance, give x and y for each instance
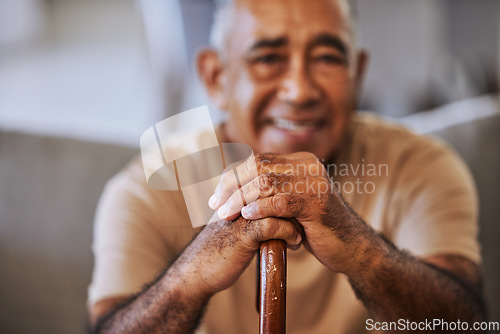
(272, 19)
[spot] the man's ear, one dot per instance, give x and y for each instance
(363, 59)
(210, 70)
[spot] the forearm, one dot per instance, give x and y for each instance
(171, 304)
(212, 262)
(395, 285)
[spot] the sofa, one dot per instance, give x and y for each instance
(49, 188)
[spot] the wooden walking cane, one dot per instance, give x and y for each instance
(271, 287)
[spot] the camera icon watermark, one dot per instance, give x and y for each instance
(183, 153)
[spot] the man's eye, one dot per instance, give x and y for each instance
(330, 59)
(268, 59)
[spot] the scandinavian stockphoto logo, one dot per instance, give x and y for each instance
(182, 153)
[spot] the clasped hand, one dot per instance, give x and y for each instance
(288, 197)
(295, 187)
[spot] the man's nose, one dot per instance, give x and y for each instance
(298, 88)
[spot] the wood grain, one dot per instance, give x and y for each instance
(272, 287)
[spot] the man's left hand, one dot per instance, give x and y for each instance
(295, 186)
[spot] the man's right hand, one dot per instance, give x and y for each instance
(223, 249)
(212, 262)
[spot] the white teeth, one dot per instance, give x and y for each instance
(293, 126)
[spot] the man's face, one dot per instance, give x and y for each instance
(290, 75)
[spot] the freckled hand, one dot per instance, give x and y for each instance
(241, 186)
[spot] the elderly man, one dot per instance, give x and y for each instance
(399, 243)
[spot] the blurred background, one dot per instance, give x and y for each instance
(80, 80)
(106, 70)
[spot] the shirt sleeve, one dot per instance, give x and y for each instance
(129, 249)
(436, 203)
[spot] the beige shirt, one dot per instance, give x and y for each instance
(414, 189)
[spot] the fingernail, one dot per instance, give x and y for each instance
(212, 202)
(299, 238)
(223, 211)
(247, 211)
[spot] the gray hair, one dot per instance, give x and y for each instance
(222, 21)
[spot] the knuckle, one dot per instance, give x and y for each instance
(248, 168)
(312, 156)
(267, 162)
(259, 158)
(307, 155)
(288, 183)
(264, 182)
(278, 204)
(267, 156)
(267, 228)
(273, 181)
(262, 161)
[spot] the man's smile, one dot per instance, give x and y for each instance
(295, 130)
